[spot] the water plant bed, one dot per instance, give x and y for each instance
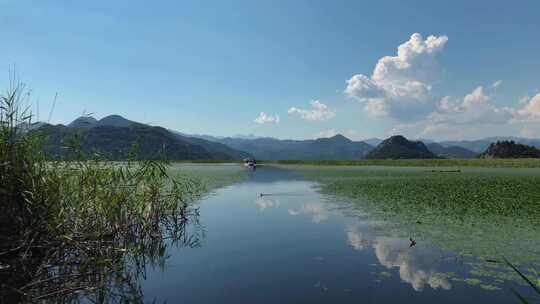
(487, 162)
(486, 212)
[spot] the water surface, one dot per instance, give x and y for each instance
(294, 245)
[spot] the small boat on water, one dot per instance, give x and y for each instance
(250, 163)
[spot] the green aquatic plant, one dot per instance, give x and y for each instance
(483, 162)
(472, 281)
(83, 227)
(479, 214)
(489, 287)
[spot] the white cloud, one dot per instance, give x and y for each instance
(474, 116)
(400, 90)
(525, 99)
(327, 133)
(264, 118)
(406, 129)
(528, 117)
(400, 86)
(531, 109)
(496, 84)
(318, 112)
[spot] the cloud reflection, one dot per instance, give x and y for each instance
(316, 210)
(263, 203)
(416, 265)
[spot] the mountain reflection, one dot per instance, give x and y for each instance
(416, 264)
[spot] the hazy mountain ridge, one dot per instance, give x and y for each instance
(336, 147)
(450, 151)
(113, 135)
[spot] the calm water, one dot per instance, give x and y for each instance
(297, 246)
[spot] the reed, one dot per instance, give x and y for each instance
(83, 227)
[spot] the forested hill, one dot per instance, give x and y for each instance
(398, 147)
(114, 137)
(510, 149)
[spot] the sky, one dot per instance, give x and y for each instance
(287, 69)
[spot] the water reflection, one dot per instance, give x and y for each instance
(296, 246)
(316, 211)
(416, 264)
(265, 202)
(101, 270)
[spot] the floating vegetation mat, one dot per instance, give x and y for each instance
(479, 214)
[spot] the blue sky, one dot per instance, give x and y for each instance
(212, 67)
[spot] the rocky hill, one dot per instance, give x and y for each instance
(398, 147)
(510, 149)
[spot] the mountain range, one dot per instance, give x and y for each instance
(113, 137)
(336, 147)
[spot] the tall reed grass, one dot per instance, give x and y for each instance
(84, 227)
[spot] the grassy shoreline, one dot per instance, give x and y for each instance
(484, 162)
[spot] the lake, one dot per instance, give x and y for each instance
(296, 245)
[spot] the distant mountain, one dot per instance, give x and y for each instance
(477, 146)
(373, 141)
(451, 151)
(86, 122)
(246, 136)
(113, 137)
(333, 148)
(480, 145)
(219, 150)
(519, 140)
(83, 122)
(115, 143)
(201, 136)
(115, 121)
(398, 147)
(510, 149)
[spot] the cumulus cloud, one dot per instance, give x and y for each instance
(473, 116)
(528, 117)
(318, 112)
(400, 86)
(531, 109)
(264, 118)
(400, 90)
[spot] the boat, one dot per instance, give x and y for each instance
(250, 163)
